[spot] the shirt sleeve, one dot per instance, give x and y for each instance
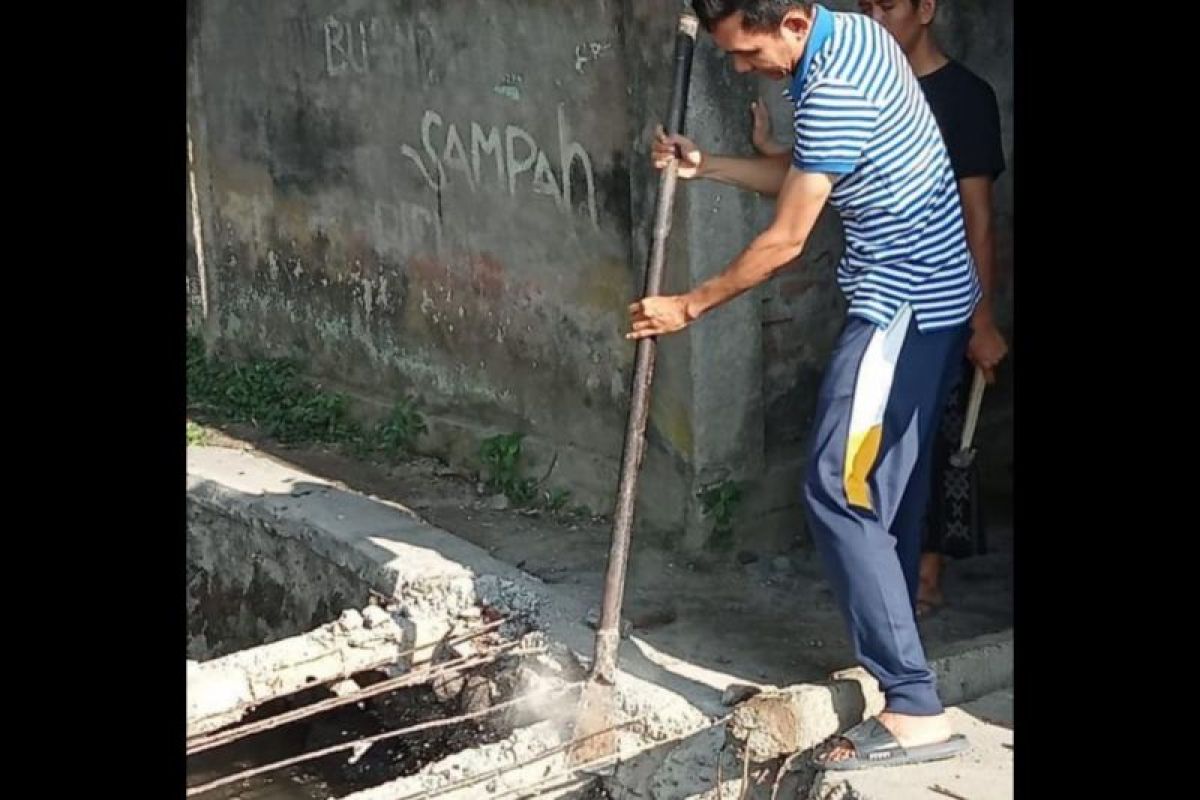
(974, 141)
(833, 124)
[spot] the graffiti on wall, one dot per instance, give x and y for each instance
(514, 160)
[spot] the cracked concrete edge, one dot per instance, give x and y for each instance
(430, 570)
(224, 689)
(428, 585)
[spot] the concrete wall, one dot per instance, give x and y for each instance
(425, 198)
(452, 200)
(248, 586)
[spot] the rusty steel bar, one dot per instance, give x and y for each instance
(367, 741)
(408, 679)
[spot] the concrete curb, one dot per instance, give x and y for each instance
(976, 667)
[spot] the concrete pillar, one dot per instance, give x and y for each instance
(706, 421)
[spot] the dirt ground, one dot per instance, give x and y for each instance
(772, 620)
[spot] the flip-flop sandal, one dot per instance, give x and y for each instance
(875, 746)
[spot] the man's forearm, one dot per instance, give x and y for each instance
(762, 174)
(756, 264)
(802, 195)
(976, 194)
(982, 245)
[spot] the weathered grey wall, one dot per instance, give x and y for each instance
(427, 198)
(453, 200)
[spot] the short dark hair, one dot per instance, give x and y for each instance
(756, 14)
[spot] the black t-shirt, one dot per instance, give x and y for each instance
(969, 117)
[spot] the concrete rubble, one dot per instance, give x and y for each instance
(220, 692)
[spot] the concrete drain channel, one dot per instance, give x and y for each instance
(348, 707)
(394, 701)
(341, 648)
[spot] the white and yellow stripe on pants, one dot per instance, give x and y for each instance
(873, 386)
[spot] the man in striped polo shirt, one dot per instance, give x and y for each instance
(865, 141)
(968, 115)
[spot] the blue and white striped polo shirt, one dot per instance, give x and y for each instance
(861, 115)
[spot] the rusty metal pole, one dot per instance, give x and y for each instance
(597, 703)
(607, 635)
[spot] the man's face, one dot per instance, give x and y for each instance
(772, 53)
(903, 19)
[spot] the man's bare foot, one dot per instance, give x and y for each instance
(910, 731)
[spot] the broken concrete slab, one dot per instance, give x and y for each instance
(783, 721)
(220, 692)
(422, 566)
(432, 572)
(777, 723)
